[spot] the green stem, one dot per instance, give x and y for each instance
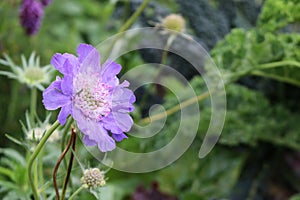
(35, 173)
(232, 78)
(35, 154)
(33, 101)
(176, 108)
(276, 77)
(40, 171)
(135, 15)
(167, 46)
(160, 68)
(76, 192)
(127, 25)
(279, 64)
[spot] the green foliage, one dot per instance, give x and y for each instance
(277, 14)
(214, 176)
(259, 53)
(271, 50)
(13, 176)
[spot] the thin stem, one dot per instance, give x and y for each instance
(76, 192)
(70, 165)
(35, 154)
(160, 68)
(127, 25)
(62, 155)
(236, 75)
(176, 108)
(33, 101)
(135, 15)
(279, 64)
(166, 48)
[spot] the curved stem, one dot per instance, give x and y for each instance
(70, 164)
(62, 155)
(76, 192)
(35, 154)
(40, 171)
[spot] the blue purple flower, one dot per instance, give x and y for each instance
(31, 14)
(92, 95)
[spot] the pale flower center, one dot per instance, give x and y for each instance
(92, 96)
(34, 75)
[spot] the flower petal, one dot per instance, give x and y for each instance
(58, 61)
(119, 137)
(122, 121)
(67, 85)
(64, 113)
(122, 99)
(67, 81)
(94, 132)
(98, 134)
(89, 57)
(109, 71)
(53, 97)
(109, 123)
(88, 142)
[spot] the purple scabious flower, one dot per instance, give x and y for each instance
(92, 95)
(31, 14)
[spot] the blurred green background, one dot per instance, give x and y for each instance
(256, 42)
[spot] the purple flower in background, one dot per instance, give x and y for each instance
(31, 14)
(93, 96)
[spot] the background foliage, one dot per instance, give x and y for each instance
(255, 44)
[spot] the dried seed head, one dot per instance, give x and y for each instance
(93, 178)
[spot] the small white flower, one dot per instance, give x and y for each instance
(30, 73)
(37, 132)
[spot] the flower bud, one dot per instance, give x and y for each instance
(31, 14)
(174, 22)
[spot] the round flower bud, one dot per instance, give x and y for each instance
(174, 22)
(93, 178)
